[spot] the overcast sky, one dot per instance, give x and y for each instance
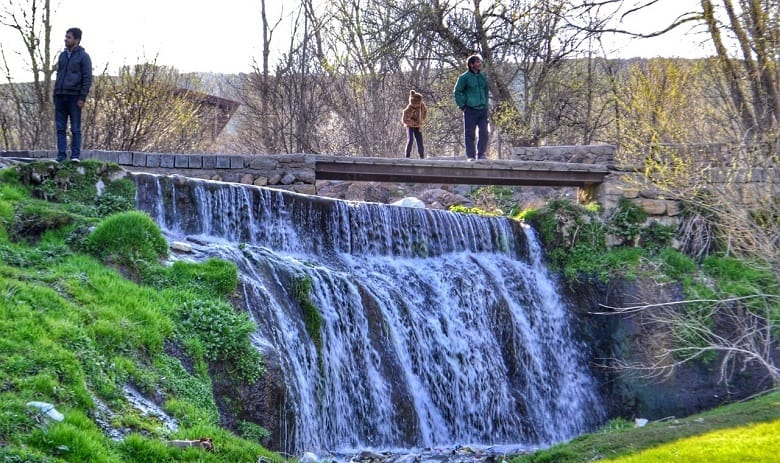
(224, 35)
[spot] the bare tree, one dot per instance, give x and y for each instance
(752, 80)
(147, 108)
(284, 112)
(29, 105)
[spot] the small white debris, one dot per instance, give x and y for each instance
(48, 410)
(309, 457)
(640, 422)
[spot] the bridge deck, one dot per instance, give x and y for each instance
(458, 171)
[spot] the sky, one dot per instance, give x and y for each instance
(225, 35)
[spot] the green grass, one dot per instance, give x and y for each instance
(74, 329)
(753, 443)
(723, 429)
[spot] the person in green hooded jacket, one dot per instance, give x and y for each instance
(471, 96)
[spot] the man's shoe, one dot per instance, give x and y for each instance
(76, 160)
(470, 159)
(482, 158)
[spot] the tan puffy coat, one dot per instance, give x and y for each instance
(415, 112)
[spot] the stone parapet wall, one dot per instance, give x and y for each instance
(581, 154)
(293, 172)
(750, 188)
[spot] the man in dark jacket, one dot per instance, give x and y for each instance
(74, 78)
(471, 96)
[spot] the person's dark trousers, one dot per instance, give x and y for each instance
(412, 134)
(65, 108)
(475, 120)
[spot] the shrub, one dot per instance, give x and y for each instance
(253, 432)
(129, 238)
(224, 334)
(627, 220)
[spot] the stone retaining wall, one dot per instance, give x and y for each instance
(293, 172)
(717, 167)
(582, 154)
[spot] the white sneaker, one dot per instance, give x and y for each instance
(470, 159)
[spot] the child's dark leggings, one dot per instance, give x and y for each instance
(412, 134)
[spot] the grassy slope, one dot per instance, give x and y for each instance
(723, 432)
(74, 330)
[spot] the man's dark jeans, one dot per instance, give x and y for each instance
(473, 120)
(65, 108)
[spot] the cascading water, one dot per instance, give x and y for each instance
(438, 328)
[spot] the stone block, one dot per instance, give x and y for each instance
(209, 162)
(153, 160)
(630, 193)
(181, 161)
(125, 158)
(223, 162)
(167, 161)
(196, 161)
(652, 206)
(302, 189)
(139, 159)
(237, 162)
(107, 156)
(673, 208)
(263, 163)
(247, 179)
(260, 181)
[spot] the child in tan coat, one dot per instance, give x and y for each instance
(413, 118)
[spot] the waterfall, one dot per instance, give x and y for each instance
(438, 328)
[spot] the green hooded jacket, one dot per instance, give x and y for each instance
(471, 90)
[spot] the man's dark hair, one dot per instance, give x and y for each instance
(471, 60)
(75, 32)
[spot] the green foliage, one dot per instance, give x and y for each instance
(491, 200)
(472, 210)
(33, 218)
(737, 276)
(75, 439)
(575, 238)
(193, 393)
(677, 265)
(130, 239)
(213, 277)
(312, 318)
(627, 220)
(41, 256)
(253, 432)
(224, 334)
(655, 237)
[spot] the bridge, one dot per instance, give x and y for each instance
(452, 171)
